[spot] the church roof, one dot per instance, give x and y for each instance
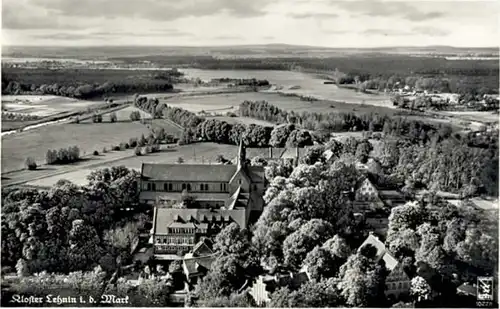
(188, 172)
(198, 172)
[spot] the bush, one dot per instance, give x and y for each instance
(155, 148)
(96, 153)
(116, 148)
(133, 142)
(135, 115)
(127, 146)
(96, 118)
(180, 160)
(77, 120)
(138, 151)
(104, 150)
(63, 155)
(113, 117)
(30, 164)
(148, 149)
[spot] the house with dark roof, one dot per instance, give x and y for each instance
(219, 195)
(198, 262)
(369, 196)
(264, 285)
(397, 281)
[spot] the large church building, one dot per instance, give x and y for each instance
(192, 201)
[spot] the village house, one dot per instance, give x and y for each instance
(264, 285)
(197, 263)
(370, 197)
(218, 196)
(397, 281)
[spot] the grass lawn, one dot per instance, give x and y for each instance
(200, 153)
(87, 136)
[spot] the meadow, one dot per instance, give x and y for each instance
(88, 136)
(295, 83)
(201, 153)
(42, 106)
(223, 103)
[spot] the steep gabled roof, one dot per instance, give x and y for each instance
(188, 172)
(196, 265)
(166, 216)
(375, 242)
(382, 253)
(202, 248)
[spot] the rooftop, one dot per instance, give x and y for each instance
(166, 216)
(188, 172)
(197, 172)
(382, 253)
(196, 265)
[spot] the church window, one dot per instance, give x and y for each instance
(206, 187)
(189, 187)
(165, 187)
(170, 187)
(153, 187)
(149, 186)
(183, 186)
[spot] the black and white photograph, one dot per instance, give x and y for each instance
(261, 153)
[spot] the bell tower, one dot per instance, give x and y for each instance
(242, 156)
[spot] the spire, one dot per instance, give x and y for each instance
(241, 155)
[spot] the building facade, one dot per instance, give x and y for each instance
(397, 281)
(194, 201)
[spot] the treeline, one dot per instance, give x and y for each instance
(70, 228)
(6, 116)
(343, 122)
(197, 128)
(63, 155)
(79, 84)
(242, 82)
(449, 165)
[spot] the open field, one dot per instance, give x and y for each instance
(202, 153)
(230, 102)
(87, 136)
(242, 120)
(42, 106)
(122, 115)
(475, 116)
(295, 83)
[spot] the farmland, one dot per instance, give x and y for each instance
(230, 102)
(87, 136)
(203, 153)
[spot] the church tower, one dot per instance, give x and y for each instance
(242, 156)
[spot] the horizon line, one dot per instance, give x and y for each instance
(263, 45)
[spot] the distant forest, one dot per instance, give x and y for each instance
(463, 76)
(85, 83)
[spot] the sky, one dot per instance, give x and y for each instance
(328, 23)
